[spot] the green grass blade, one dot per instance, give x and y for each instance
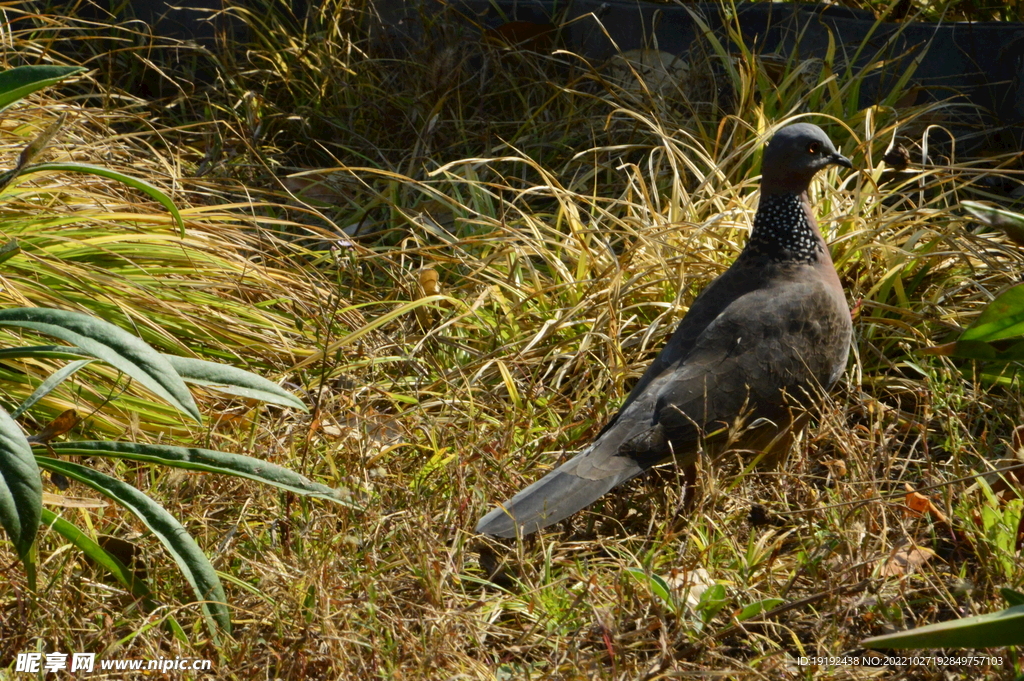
(47, 386)
(208, 460)
(756, 608)
(979, 350)
(711, 602)
(133, 182)
(191, 560)
(1003, 628)
(375, 324)
(22, 81)
(1003, 318)
(234, 381)
(9, 250)
(1012, 596)
(655, 583)
(97, 553)
(111, 344)
(719, 48)
(21, 489)
(245, 586)
(43, 352)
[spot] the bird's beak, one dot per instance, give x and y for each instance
(840, 160)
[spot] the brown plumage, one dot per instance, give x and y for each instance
(765, 336)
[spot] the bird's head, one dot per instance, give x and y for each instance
(794, 155)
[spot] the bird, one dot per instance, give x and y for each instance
(769, 334)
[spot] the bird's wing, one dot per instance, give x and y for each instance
(789, 339)
(739, 280)
(764, 342)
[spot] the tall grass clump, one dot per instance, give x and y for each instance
(79, 259)
(472, 250)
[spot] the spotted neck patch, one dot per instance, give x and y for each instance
(782, 231)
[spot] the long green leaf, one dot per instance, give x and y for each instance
(1003, 318)
(208, 460)
(757, 607)
(47, 386)
(711, 602)
(655, 583)
(979, 350)
(21, 490)
(97, 553)
(133, 182)
(43, 352)
(1012, 596)
(22, 81)
(229, 379)
(191, 560)
(1003, 628)
(111, 344)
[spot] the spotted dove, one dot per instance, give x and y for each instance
(766, 336)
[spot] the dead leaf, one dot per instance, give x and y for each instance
(232, 419)
(427, 284)
(690, 586)
(1007, 484)
(661, 72)
(918, 504)
(377, 433)
(905, 559)
(331, 431)
(317, 186)
(72, 502)
(57, 427)
(836, 466)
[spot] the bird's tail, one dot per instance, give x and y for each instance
(554, 497)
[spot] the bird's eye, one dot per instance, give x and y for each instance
(813, 148)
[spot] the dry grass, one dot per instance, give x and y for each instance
(570, 219)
